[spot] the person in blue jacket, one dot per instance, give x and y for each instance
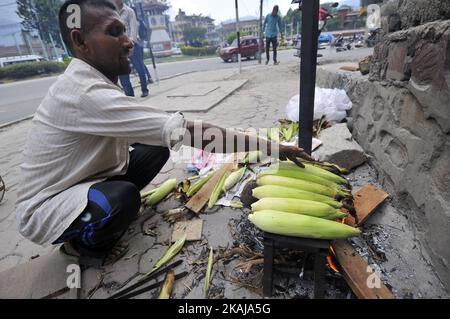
(272, 26)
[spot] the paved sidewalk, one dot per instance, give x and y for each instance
(260, 102)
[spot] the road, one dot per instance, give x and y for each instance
(20, 99)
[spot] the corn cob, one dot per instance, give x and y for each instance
(298, 225)
(233, 178)
(300, 174)
(161, 192)
(217, 190)
(297, 206)
(195, 188)
(300, 184)
(309, 168)
(287, 192)
(145, 194)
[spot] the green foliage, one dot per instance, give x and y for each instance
(41, 15)
(233, 36)
(294, 17)
(193, 34)
(188, 50)
(29, 69)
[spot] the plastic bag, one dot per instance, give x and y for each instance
(333, 103)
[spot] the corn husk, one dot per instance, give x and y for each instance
(167, 287)
(170, 253)
(161, 192)
(208, 272)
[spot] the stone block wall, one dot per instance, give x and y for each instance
(401, 118)
(405, 14)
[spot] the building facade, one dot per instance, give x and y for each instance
(183, 21)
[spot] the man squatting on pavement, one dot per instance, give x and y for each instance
(80, 179)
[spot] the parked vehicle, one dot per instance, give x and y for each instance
(176, 49)
(249, 49)
(373, 37)
(325, 38)
(20, 59)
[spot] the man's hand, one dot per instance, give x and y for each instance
(293, 153)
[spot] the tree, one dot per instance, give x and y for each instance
(194, 34)
(232, 36)
(40, 15)
(293, 17)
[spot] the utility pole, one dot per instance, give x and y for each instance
(44, 49)
(238, 35)
(310, 20)
(261, 40)
(17, 46)
(53, 45)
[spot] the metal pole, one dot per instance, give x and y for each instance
(261, 41)
(17, 46)
(53, 45)
(63, 44)
(29, 42)
(310, 21)
(238, 35)
(43, 46)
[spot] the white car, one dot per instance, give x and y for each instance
(176, 49)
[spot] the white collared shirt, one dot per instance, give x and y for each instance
(79, 136)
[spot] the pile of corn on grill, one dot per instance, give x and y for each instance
(301, 202)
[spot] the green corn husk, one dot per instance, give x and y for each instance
(217, 190)
(273, 134)
(300, 174)
(287, 192)
(145, 194)
(170, 253)
(309, 168)
(300, 184)
(233, 179)
(195, 188)
(161, 192)
(208, 272)
(252, 157)
(298, 225)
(297, 206)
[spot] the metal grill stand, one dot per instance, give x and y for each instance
(318, 247)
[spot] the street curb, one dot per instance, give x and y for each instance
(137, 84)
(16, 121)
(222, 99)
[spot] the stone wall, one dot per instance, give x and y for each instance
(405, 14)
(401, 118)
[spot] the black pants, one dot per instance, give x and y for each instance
(114, 203)
(274, 42)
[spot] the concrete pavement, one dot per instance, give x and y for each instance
(20, 99)
(260, 102)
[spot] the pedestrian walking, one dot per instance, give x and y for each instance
(136, 58)
(272, 26)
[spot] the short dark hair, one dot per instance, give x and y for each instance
(63, 15)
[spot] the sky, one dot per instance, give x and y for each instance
(222, 10)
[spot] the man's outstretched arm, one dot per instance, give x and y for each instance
(216, 139)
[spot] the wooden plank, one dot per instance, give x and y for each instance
(199, 200)
(356, 273)
(366, 201)
(191, 228)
